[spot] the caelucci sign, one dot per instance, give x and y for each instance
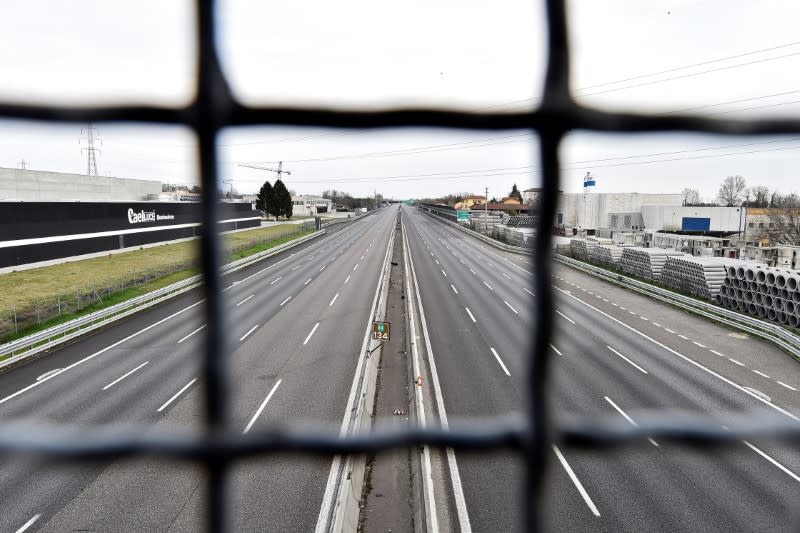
(141, 216)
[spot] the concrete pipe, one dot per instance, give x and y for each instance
(780, 280)
(794, 321)
(796, 297)
(789, 307)
(768, 300)
(727, 281)
(772, 314)
(777, 304)
(783, 293)
(739, 294)
(762, 312)
(770, 278)
(774, 291)
(759, 298)
(750, 275)
(740, 273)
(753, 286)
(763, 288)
(761, 276)
(718, 299)
(752, 309)
(748, 296)
(782, 318)
(791, 283)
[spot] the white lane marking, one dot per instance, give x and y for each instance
(243, 301)
(310, 334)
(787, 386)
(248, 333)
(565, 316)
(355, 267)
(773, 461)
(48, 374)
(276, 280)
(307, 282)
(622, 308)
(529, 292)
(640, 369)
(192, 333)
(489, 286)
(717, 353)
(698, 344)
(506, 275)
(362, 258)
(656, 324)
(614, 304)
(437, 261)
(166, 404)
(734, 361)
(286, 300)
(629, 419)
(590, 292)
(684, 337)
(473, 271)
(89, 357)
(296, 267)
(669, 330)
(685, 358)
(333, 300)
(322, 268)
(261, 407)
(763, 375)
(454, 288)
(605, 300)
(643, 317)
(502, 365)
(347, 279)
(576, 482)
(556, 350)
(431, 254)
(632, 312)
(470, 315)
(445, 273)
(124, 376)
(462, 261)
(29, 523)
(510, 307)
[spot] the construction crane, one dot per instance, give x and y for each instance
(277, 171)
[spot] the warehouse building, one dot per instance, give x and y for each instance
(588, 212)
(17, 185)
(310, 205)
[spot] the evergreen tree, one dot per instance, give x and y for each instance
(515, 193)
(264, 195)
(283, 200)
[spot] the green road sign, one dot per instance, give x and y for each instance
(462, 215)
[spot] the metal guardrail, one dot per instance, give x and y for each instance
(23, 348)
(484, 238)
(773, 333)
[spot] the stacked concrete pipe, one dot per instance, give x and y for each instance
(766, 292)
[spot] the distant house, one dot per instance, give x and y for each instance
(531, 196)
(468, 202)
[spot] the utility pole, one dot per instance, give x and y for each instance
(23, 164)
(90, 148)
(486, 213)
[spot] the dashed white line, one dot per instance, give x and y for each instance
(276, 280)
(333, 300)
(502, 365)
(698, 344)
(29, 523)
(243, 337)
(355, 267)
(296, 267)
(286, 300)
(576, 482)
(763, 375)
(637, 367)
(669, 330)
(322, 268)
(347, 280)
(787, 386)
(124, 376)
(529, 292)
(511, 307)
(684, 337)
(473, 271)
(773, 461)
(454, 288)
(556, 350)
(565, 316)
(656, 324)
(261, 407)
(643, 317)
(307, 282)
(243, 301)
(489, 286)
(734, 361)
(166, 404)
(717, 353)
(311, 333)
(471, 315)
(437, 261)
(192, 333)
(620, 411)
(632, 312)
(445, 273)
(506, 275)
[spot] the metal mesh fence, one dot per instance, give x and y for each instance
(219, 446)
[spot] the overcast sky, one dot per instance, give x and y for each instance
(734, 58)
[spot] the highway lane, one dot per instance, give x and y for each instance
(626, 487)
(163, 362)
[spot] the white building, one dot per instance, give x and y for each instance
(17, 185)
(590, 211)
(697, 219)
(310, 205)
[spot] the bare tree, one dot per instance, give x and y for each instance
(758, 196)
(690, 196)
(784, 220)
(731, 192)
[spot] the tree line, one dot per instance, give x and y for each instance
(734, 192)
(275, 200)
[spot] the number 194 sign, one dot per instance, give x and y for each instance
(381, 330)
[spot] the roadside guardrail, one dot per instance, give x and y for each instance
(22, 349)
(484, 238)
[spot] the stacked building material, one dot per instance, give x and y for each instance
(699, 276)
(606, 254)
(770, 293)
(645, 263)
(581, 248)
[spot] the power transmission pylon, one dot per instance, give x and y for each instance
(90, 148)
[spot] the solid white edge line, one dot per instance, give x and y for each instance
(511, 307)
(333, 300)
(576, 482)
(565, 316)
(190, 334)
(286, 300)
(261, 407)
(685, 358)
(124, 376)
(640, 369)
(620, 411)
(248, 333)
(29, 523)
(502, 365)
(471, 315)
(310, 334)
(773, 461)
(87, 358)
(166, 404)
(243, 301)
(455, 477)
